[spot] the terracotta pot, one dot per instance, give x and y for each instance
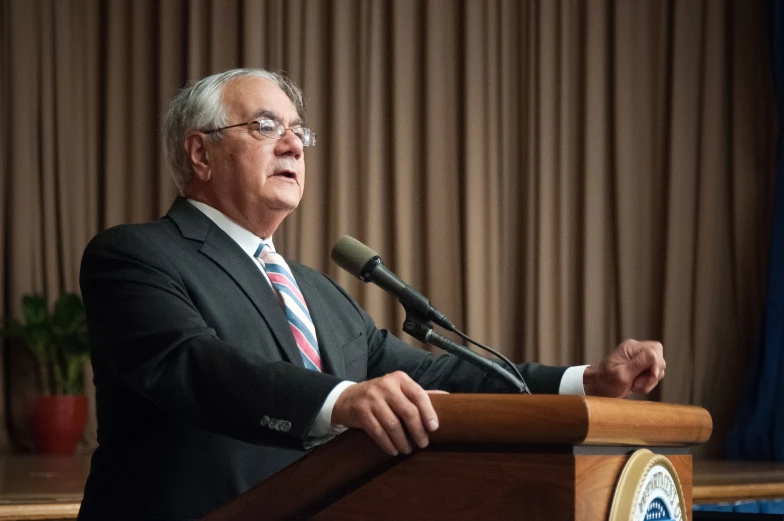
(57, 423)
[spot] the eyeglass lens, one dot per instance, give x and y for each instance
(276, 130)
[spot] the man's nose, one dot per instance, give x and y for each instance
(289, 143)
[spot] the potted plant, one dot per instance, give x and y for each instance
(58, 340)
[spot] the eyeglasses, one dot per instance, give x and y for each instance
(274, 129)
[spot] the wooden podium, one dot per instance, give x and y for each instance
(542, 457)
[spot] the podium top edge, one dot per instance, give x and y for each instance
(567, 420)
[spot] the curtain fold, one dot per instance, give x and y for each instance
(555, 175)
(758, 431)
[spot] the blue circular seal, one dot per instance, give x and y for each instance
(648, 490)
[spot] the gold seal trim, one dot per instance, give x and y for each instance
(629, 490)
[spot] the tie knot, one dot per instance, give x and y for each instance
(264, 250)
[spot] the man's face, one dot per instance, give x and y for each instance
(254, 174)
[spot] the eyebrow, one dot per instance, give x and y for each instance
(271, 114)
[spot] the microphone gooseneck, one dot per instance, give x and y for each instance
(365, 263)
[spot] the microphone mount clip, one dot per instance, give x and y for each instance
(419, 327)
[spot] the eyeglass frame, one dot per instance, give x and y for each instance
(278, 126)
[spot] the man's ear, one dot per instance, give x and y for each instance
(196, 148)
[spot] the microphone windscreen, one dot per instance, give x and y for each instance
(352, 255)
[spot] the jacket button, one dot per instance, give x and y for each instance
(285, 426)
(265, 421)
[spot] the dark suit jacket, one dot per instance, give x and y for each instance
(190, 351)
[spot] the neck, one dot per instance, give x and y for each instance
(262, 222)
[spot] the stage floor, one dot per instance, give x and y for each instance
(50, 487)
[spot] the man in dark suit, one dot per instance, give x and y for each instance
(217, 362)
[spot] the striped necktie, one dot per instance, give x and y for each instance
(294, 304)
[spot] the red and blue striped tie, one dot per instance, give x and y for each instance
(293, 304)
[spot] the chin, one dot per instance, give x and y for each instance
(284, 203)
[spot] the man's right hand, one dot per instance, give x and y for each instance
(383, 406)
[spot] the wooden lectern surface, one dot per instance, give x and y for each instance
(494, 427)
(509, 449)
(567, 420)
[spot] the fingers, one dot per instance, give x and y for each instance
(644, 383)
(649, 356)
(393, 430)
(378, 433)
(643, 360)
(388, 409)
(646, 365)
(632, 367)
(419, 397)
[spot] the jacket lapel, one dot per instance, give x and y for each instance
(223, 251)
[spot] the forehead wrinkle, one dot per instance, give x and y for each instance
(244, 86)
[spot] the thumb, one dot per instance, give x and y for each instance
(644, 383)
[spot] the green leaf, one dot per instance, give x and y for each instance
(69, 315)
(34, 310)
(74, 345)
(39, 341)
(59, 341)
(74, 381)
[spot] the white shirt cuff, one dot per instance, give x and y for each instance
(322, 425)
(572, 381)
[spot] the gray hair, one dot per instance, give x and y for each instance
(200, 106)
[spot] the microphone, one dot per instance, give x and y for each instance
(365, 263)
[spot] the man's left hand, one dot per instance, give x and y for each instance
(634, 367)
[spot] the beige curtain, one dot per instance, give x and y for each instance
(555, 175)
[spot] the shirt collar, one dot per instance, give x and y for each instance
(246, 239)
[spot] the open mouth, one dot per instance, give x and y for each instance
(288, 174)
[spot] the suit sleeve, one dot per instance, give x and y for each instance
(149, 339)
(387, 353)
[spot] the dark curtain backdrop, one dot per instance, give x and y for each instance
(556, 174)
(758, 432)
